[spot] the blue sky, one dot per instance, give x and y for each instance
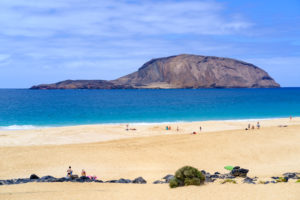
(45, 41)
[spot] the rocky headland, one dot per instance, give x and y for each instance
(181, 71)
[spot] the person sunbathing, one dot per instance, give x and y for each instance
(83, 173)
(70, 171)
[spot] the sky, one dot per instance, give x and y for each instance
(45, 41)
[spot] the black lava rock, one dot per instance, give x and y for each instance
(209, 180)
(291, 175)
(111, 181)
(139, 180)
(226, 176)
(239, 172)
(159, 182)
(248, 180)
(122, 180)
(168, 178)
(34, 176)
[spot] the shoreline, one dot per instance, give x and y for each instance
(16, 127)
(108, 132)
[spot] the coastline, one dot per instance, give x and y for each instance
(15, 127)
(107, 132)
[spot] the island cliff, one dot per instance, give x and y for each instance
(182, 71)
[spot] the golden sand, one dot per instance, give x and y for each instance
(151, 152)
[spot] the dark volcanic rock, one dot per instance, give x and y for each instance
(291, 175)
(122, 180)
(248, 180)
(81, 84)
(237, 171)
(182, 71)
(139, 180)
(168, 177)
(159, 182)
(33, 176)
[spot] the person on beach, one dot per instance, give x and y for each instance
(69, 172)
(253, 127)
(177, 129)
(127, 127)
(258, 125)
(200, 128)
(290, 117)
(249, 126)
(83, 173)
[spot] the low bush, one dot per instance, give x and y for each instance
(228, 181)
(282, 180)
(187, 176)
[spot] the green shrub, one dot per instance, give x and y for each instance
(282, 180)
(228, 181)
(187, 176)
(298, 181)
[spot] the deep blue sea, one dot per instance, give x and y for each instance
(19, 107)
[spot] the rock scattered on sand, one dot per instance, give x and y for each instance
(139, 180)
(239, 172)
(34, 176)
(159, 182)
(291, 175)
(249, 180)
(168, 177)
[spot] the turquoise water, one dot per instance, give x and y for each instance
(74, 107)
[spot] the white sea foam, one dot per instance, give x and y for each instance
(20, 127)
(32, 127)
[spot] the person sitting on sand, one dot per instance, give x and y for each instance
(83, 173)
(253, 127)
(70, 171)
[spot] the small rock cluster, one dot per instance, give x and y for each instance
(236, 172)
(82, 179)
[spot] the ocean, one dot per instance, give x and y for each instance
(25, 109)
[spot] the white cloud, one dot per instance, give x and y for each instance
(115, 18)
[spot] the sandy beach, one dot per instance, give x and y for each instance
(111, 152)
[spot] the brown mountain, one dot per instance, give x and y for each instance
(182, 71)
